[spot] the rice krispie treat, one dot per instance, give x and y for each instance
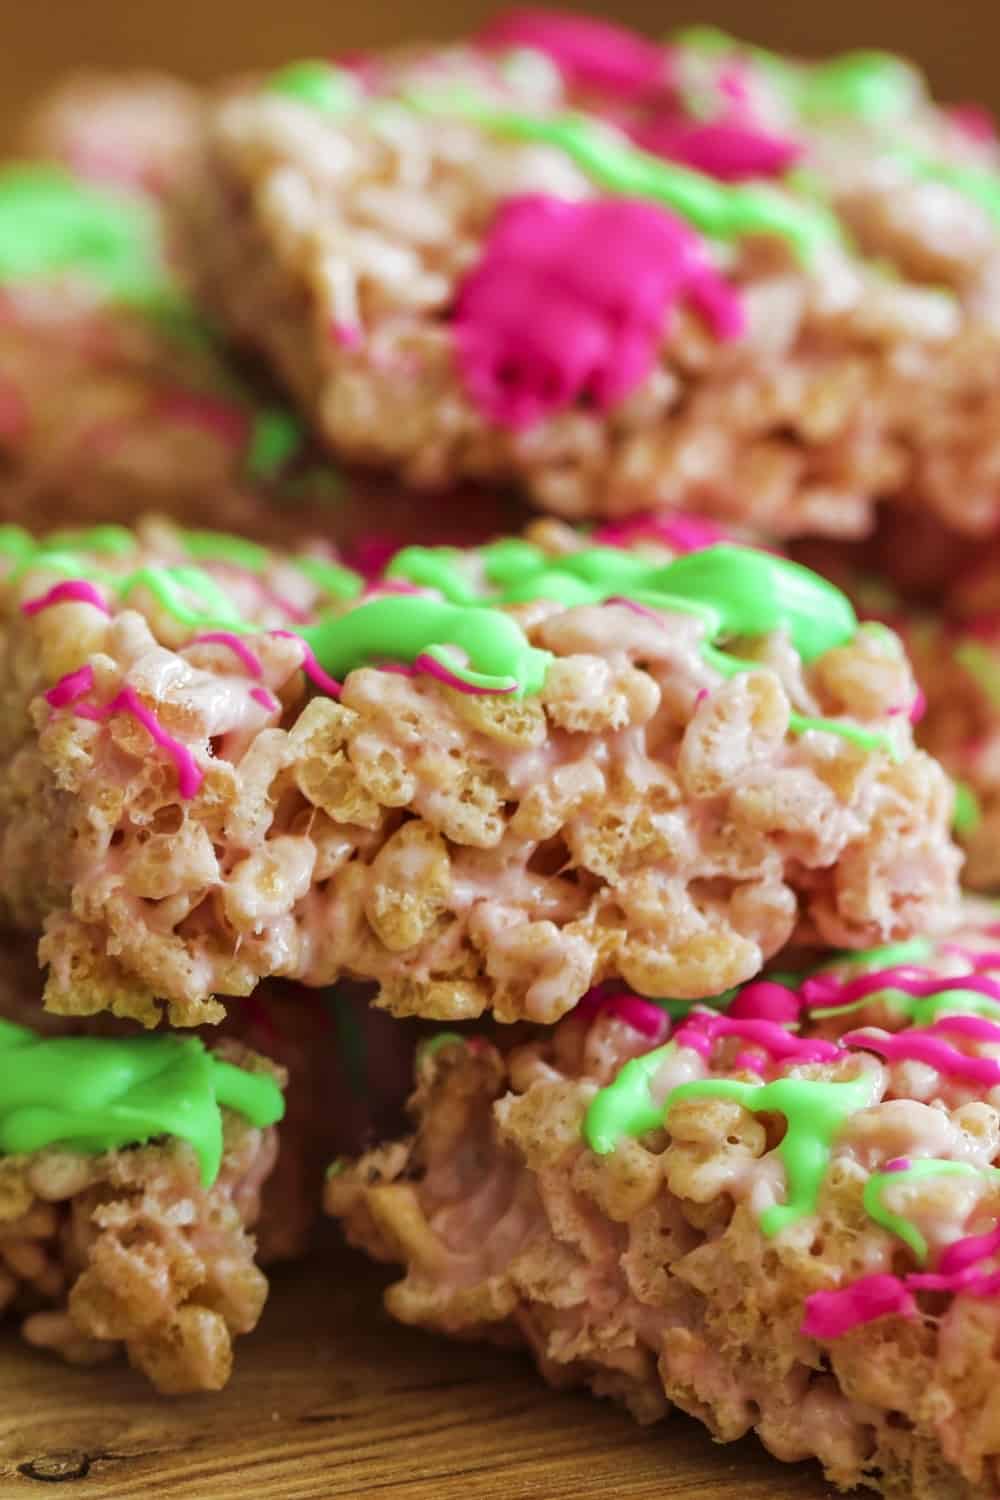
(485, 781)
(778, 1211)
(626, 275)
(131, 1171)
(115, 395)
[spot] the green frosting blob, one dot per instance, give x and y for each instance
(52, 223)
(401, 628)
(320, 85)
(725, 211)
(737, 591)
(872, 86)
(275, 439)
(898, 1224)
(968, 813)
(95, 1094)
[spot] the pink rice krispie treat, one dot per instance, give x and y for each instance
(115, 396)
(486, 780)
(778, 1212)
(626, 275)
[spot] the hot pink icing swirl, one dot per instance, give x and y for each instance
(69, 688)
(238, 647)
(570, 301)
(70, 591)
(189, 774)
(922, 1045)
(730, 150)
(831, 990)
(592, 53)
(311, 667)
(704, 1028)
(642, 1015)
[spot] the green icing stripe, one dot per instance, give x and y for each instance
(968, 812)
(920, 1010)
(722, 210)
(96, 1094)
(815, 1112)
(898, 1224)
(320, 85)
(275, 439)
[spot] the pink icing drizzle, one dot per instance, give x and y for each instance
(704, 1028)
(70, 687)
(918, 707)
(975, 121)
(570, 301)
(921, 1046)
(311, 667)
(70, 591)
(265, 699)
(831, 1314)
(648, 1019)
(726, 149)
(682, 533)
(239, 648)
(429, 666)
(830, 990)
(347, 335)
(189, 774)
(587, 51)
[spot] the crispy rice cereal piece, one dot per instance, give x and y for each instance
(340, 219)
(129, 1250)
(696, 1264)
(644, 815)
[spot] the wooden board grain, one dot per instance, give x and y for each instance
(330, 1399)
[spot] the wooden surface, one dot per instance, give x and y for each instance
(330, 1399)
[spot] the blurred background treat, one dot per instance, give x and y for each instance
(956, 43)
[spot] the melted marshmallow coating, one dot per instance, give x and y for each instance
(656, 812)
(341, 226)
(652, 1272)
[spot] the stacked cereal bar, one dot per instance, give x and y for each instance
(776, 1210)
(625, 275)
(486, 780)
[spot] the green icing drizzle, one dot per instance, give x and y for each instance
(95, 1094)
(320, 85)
(112, 541)
(737, 591)
(814, 1110)
(968, 814)
(898, 1224)
(274, 440)
(333, 578)
(912, 951)
(921, 1010)
(221, 546)
(404, 627)
(977, 183)
(725, 211)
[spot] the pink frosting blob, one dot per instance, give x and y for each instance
(726, 149)
(765, 1001)
(642, 1015)
(70, 687)
(571, 301)
(71, 591)
(595, 54)
(829, 1315)
(704, 1028)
